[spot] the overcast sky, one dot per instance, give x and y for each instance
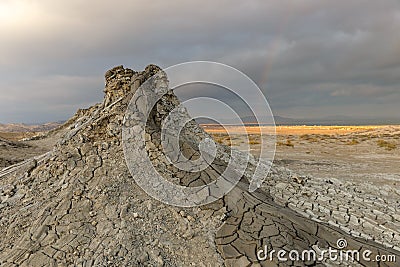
(310, 58)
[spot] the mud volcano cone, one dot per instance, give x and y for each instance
(79, 205)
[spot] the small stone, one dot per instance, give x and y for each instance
(144, 257)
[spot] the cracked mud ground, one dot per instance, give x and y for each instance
(78, 205)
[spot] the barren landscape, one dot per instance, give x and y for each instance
(71, 200)
(205, 133)
(350, 153)
(354, 153)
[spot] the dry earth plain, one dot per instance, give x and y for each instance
(365, 154)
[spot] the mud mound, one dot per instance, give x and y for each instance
(79, 205)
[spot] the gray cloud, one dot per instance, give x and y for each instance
(309, 57)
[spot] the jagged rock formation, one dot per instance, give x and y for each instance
(78, 205)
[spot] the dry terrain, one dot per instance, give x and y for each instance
(21, 127)
(13, 151)
(354, 153)
(83, 202)
(16, 147)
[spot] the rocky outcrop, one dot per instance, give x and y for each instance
(120, 80)
(79, 205)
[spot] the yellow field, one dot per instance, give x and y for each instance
(292, 130)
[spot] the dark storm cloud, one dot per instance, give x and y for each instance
(309, 57)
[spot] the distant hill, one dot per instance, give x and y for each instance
(21, 127)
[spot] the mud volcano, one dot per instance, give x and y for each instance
(78, 205)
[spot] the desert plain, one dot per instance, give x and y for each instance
(349, 153)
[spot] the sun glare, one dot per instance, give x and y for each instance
(11, 11)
